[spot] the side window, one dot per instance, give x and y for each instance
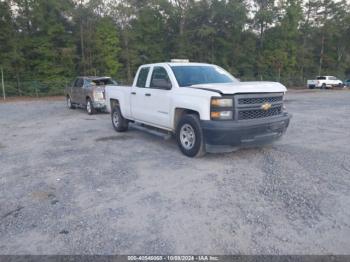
(75, 83)
(142, 78)
(79, 82)
(160, 78)
(87, 82)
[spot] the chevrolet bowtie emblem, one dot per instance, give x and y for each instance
(266, 106)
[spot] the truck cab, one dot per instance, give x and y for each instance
(205, 107)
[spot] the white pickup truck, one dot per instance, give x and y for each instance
(324, 82)
(205, 107)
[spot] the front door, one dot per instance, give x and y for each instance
(159, 98)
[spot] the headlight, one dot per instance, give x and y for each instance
(98, 95)
(221, 102)
(221, 115)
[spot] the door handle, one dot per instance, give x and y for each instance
(147, 94)
(133, 93)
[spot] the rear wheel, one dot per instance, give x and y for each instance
(324, 86)
(120, 124)
(90, 107)
(189, 136)
(69, 103)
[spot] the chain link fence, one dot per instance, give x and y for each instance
(36, 88)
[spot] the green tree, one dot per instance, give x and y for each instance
(107, 48)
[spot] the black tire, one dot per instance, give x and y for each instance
(90, 107)
(324, 86)
(119, 123)
(190, 123)
(70, 105)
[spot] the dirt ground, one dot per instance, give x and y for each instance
(69, 184)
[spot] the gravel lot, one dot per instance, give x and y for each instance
(69, 184)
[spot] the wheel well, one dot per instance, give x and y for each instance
(114, 102)
(179, 112)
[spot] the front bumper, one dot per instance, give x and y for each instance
(244, 133)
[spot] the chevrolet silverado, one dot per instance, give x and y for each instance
(205, 107)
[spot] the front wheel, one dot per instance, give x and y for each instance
(189, 136)
(120, 124)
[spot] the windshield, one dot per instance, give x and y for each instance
(194, 75)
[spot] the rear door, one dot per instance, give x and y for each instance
(138, 95)
(75, 90)
(80, 91)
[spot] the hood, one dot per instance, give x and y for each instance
(243, 87)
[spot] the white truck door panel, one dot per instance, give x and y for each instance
(157, 102)
(158, 97)
(139, 110)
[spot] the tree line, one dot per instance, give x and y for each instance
(45, 43)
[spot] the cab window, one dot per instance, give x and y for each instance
(160, 79)
(142, 78)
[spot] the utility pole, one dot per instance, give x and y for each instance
(2, 82)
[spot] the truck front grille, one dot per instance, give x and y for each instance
(259, 100)
(250, 106)
(259, 113)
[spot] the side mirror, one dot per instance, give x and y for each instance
(161, 84)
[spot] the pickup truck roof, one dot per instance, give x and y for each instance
(177, 64)
(324, 77)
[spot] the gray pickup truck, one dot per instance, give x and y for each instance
(88, 92)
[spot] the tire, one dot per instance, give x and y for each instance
(119, 123)
(189, 136)
(324, 86)
(90, 107)
(69, 103)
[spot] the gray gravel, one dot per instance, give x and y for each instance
(70, 185)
